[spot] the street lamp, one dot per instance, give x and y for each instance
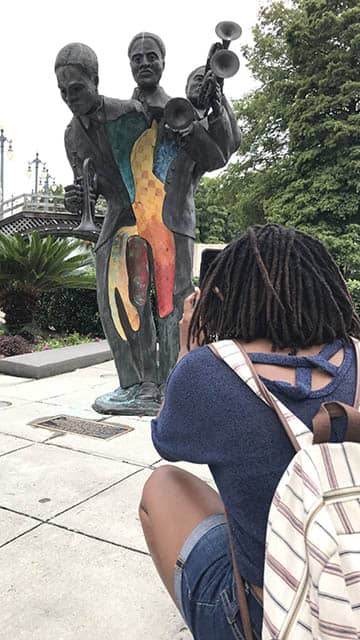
(3, 139)
(36, 162)
(46, 182)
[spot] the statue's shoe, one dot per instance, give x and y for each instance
(138, 400)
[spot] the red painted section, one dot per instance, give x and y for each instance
(138, 269)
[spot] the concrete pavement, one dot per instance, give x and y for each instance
(73, 561)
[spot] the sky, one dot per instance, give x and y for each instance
(32, 113)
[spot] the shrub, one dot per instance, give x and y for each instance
(70, 311)
(14, 346)
(18, 302)
(31, 265)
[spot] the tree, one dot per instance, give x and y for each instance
(211, 214)
(29, 266)
(301, 136)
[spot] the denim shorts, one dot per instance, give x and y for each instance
(205, 587)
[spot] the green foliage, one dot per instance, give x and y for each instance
(18, 302)
(302, 121)
(68, 311)
(299, 161)
(211, 218)
(354, 288)
(29, 266)
(44, 264)
(228, 204)
(13, 346)
(62, 341)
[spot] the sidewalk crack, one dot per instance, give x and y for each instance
(98, 538)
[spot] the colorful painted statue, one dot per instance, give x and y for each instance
(86, 136)
(147, 174)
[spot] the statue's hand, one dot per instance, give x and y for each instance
(73, 198)
(216, 98)
(210, 92)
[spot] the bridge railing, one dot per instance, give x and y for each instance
(40, 202)
(31, 202)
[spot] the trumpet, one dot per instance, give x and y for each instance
(222, 62)
(88, 181)
(178, 114)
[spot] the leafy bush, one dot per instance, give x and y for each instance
(14, 346)
(69, 311)
(29, 266)
(354, 288)
(18, 301)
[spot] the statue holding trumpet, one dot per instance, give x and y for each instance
(159, 151)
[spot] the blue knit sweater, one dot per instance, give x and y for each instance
(210, 416)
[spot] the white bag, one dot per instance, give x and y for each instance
(312, 561)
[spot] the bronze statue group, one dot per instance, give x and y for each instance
(147, 169)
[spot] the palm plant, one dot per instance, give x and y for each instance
(29, 266)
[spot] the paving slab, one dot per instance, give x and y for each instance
(104, 367)
(135, 446)
(10, 443)
(42, 364)
(82, 393)
(59, 584)
(52, 388)
(43, 480)
(14, 419)
(113, 514)
(9, 381)
(13, 525)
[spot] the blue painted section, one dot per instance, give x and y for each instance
(122, 135)
(165, 152)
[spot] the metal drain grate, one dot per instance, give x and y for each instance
(82, 427)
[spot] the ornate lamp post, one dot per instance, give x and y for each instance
(36, 162)
(3, 139)
(45, 183)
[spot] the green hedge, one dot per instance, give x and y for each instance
(69, 311)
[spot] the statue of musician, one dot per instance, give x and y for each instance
(87, 136)
(166, 167)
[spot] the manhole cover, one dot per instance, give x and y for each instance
(4, 403)
(91, 428)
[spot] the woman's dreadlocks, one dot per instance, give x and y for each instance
(276, 283)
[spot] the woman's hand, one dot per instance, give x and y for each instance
(189, 304)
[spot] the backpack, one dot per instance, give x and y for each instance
(312, 559)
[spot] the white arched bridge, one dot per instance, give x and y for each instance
(46, 214)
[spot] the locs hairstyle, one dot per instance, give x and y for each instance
(276, 283)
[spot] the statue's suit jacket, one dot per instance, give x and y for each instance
(205, 149)
(93, 142)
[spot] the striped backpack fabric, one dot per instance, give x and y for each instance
(312, 561)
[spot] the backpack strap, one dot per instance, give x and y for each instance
(328, 410)
(235, 356)
(240, 590)
(356, 344)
